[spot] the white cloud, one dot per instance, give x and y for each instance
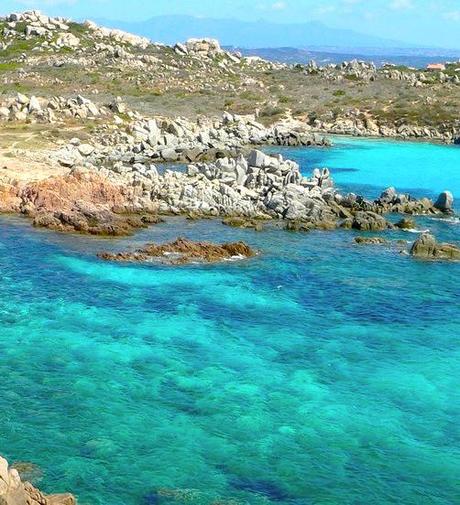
(452, 16)
(276, 6)
(400, 5)
(45, 3)
(279, 6)
(325, 9)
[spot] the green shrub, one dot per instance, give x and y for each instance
(285, 99)
(271, 111)
(249, 95)
(8, 66)
(352, 77)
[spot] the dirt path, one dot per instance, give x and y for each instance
(24, 156)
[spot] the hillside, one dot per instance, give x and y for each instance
(46, 57)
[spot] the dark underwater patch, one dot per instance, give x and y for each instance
(338, 170)
(151, 499)
(266, 488)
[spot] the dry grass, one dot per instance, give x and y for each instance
(180, 86)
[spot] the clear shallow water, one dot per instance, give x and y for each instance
(369, 165)
(318, 373)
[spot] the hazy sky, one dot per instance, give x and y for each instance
(427, 22)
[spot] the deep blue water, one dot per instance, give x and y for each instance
(318, 373)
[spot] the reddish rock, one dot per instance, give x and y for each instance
(183, 251)
(80, 202)
(10, 201)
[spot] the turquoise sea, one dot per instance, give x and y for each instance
(318, 373)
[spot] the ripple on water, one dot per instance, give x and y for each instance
(320, 372)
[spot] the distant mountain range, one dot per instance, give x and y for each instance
(398, 56)
(233, 32)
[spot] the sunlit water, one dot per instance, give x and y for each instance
(318, 373)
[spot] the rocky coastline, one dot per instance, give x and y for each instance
(359, 124)
(119, 179)
(257, 186)
(15, 491)
(103, 168)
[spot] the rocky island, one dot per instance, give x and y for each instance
(183, 251)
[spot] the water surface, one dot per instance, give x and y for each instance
(318, 373)
(369, 165)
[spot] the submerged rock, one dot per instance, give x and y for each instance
(28, 471)
(297, 225)
(406, 224)
(370, 240)
(241, 222)
(183, 251)
(312, 224)
(94, 221)
(426, 247)
(271, 490)
(13, 491)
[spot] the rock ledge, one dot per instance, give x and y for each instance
(426, 247)
(15, 492)
(183, 251)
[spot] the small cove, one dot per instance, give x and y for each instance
(319, 372)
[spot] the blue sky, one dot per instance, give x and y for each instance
(427, 22)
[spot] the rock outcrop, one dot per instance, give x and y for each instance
(82, 202)
(160, 140)
(256, 186)
(117, 36)
(45, 110)
(35, 24)
(13, 491)
(445, 202)
(183, 251)
(360, 124)
(100, 200)
(371, 240)
(367, 71)
(426, 247)
(367, 221)
(390, 201)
